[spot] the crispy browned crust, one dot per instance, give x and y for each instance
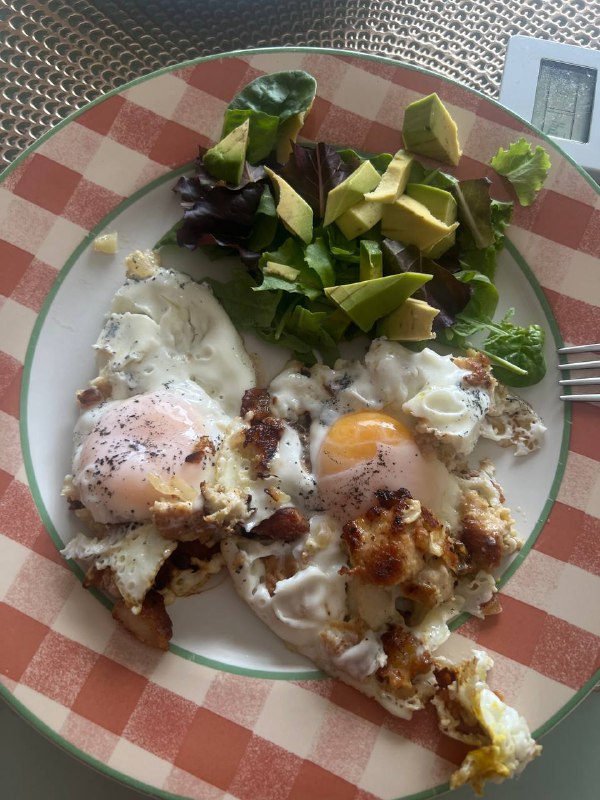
(260, 443)
(467, 723)
(176, 521)
(152, 626)
(406, 660)
(384, 550)
(185, 556)
(284, 525)
(256, 404)
(102, 579)
(90, 397)
(478, 366)
(203, 448)
(493, 606)
(483, 544)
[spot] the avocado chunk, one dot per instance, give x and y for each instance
(350, 191)
(371, 260)
(283, 271)
(225, 160)
(411, 322)
(359, 219)
(394, 179)
(287, 135)
(367, 301)
(292, 210)
(443, 207)
(411, 222)
(429, 130)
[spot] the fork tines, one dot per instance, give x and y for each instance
(583, 348)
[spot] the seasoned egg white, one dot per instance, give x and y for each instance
(125, 449)
(166, 328)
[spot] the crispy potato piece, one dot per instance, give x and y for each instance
(284, 525)
(407, 659)
(152, 626)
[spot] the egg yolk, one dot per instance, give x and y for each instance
(355, 438)
(369, 451)
(142, 436)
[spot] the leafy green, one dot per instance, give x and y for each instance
(168, 238)
(430, 177)
(469, 256)
(525, 168)
(521, 347)
(245, 307)
(484, 298)
(280, 94)
(291, 253)
(474, 210)
(265, 222)
(444, 292)
(308, 326)
(318, 258)
(313, 172)
(269, 102)
(343, 249)
(354, 159)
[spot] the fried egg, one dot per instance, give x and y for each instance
(166, 328)
(127, 451)
(367, 451)
(172, 370)
(397, 420)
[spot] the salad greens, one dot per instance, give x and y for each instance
(288, 288)
(525, 168)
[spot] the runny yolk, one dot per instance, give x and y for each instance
(353, 439)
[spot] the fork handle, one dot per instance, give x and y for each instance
(580, 348)
(580, 382)
(581, 365)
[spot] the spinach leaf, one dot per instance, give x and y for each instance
(522, 347)
(280, 94)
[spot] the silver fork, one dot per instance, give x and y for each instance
(587, 397)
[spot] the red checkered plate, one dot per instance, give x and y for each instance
(228, 712)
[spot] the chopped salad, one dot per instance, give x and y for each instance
(335, 243)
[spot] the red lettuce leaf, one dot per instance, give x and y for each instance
(314, 171)
(445, 292)
(219, 211)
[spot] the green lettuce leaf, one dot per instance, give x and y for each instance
(291, 253)
(525, 168)
(318, 258)
(245, 307)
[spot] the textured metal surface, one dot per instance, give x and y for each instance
(59, 55)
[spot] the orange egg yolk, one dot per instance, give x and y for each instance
(354, 439)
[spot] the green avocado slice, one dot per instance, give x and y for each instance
(225, 160)
(367, 301)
